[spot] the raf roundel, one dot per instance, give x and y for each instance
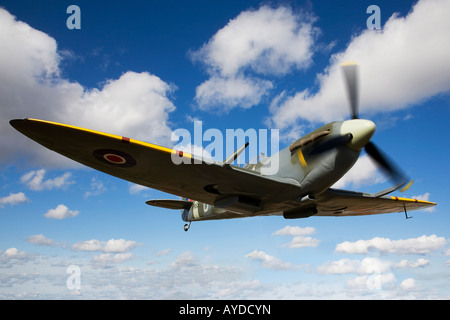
(114, 157)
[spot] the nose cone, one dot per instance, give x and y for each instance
(361, 130)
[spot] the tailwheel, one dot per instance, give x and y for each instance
(187, 226)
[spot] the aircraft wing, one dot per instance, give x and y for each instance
(153, 166)
(336, 202)
(226, 186)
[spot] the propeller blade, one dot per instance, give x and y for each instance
(388, 166)
(350, 70)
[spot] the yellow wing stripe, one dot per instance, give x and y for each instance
(113, 136)
(412, 200)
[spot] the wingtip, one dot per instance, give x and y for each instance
(16, 122)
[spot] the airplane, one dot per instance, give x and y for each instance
(301, 187)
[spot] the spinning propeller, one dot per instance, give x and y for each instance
(350, 70)
(356, 134)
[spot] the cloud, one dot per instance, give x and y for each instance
(420, 263)
(163, 252)
(13, 199)
(41, 240)
(228, 93)
(119, 245)
(372, 273)
(136, 105)
(368, 265)
(421, 245)
(343, 266)
(402, 65)
(408, 284)
(110, 246)
(267, 41)
(13, 253)
(136, 188)
(185, 260)
(61, 212)
(302, 242)
(425, 197)
(238, 289)
(268, 261)
(295, 231)
(11, 258)
(35, 180)
(366, 283)
(299, 239)
(262, 42)
(106, 259)
(364, 172)
(96, 188)
(41, 48)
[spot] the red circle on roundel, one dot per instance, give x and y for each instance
(114, 158)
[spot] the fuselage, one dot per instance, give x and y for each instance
(314, 162)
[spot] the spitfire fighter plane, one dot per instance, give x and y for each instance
(300, 188)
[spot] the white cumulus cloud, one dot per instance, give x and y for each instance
(41, 240)
(105, 259)
(14, 253)
(268, 261)
(401, 65)
(61, 212)
(420, 245)
(266, 41)
(227, 93)
(420, 263)
(35, 180)
(136, 105)
(110, 246)
(364, 172)
(295, 231)
(367, 265)
(408, 284)
(299, 235)
(13, 199)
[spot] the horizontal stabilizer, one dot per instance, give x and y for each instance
(170, 204)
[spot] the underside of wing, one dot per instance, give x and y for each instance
(347, 203)
(154, 166)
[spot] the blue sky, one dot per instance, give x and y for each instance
(148, 68)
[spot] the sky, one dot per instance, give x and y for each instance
(147, 68)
